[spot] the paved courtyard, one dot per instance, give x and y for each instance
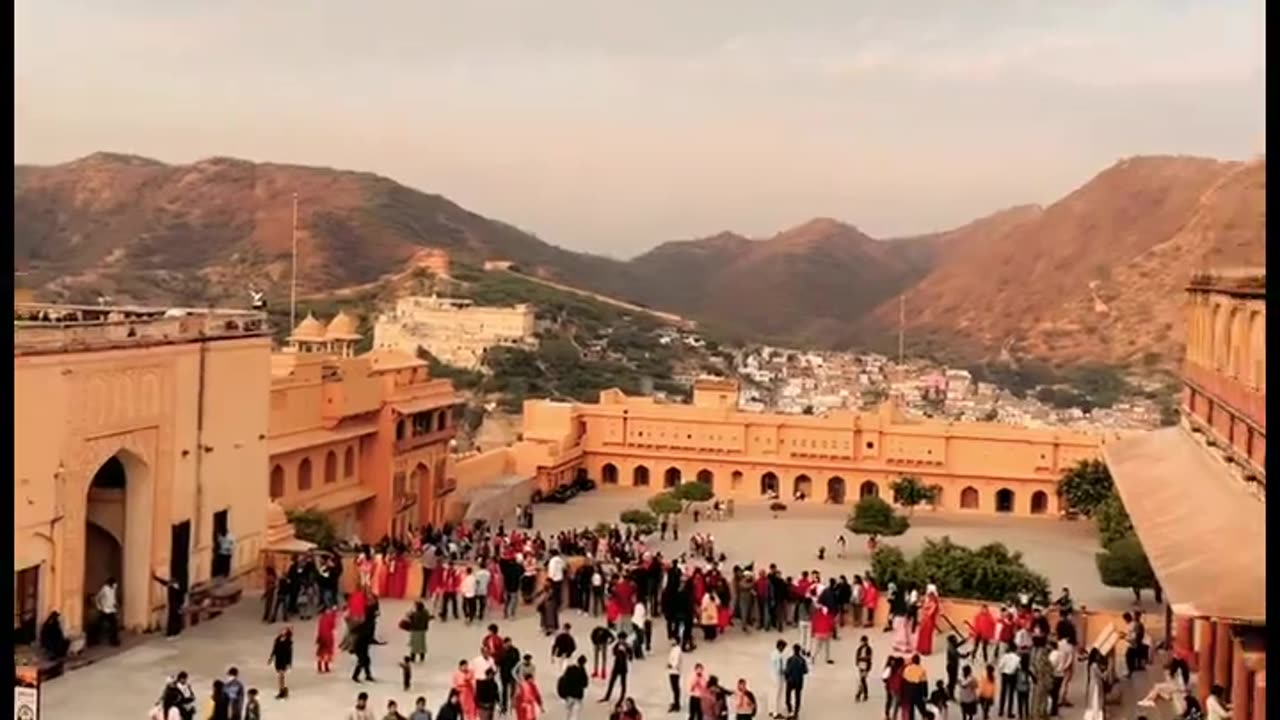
(124, 687)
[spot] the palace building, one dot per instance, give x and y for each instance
(835, 457)
(456, 332)
(139, 435)
(363, 439)
(1196, 493)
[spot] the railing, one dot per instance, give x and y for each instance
(41, 328)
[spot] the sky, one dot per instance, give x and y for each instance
(614, 125)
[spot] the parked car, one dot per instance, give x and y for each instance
(562, 494)
(583, 484)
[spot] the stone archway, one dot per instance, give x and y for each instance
(116, 542)
(769, 484)
(1039, 502)
(735, 480)
(803, 487)
(969, 498)
(609, 474)
(868, 489)
(1005, 500)
(640, 476)
(835, 490)
(706, 477)
(671, 478)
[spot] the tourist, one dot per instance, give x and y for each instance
(643, 629)
(326, 627)
(954, 656)
(508, 660)
(1216, 705)
(601, 638)
(224, 550)
(697, 688)
(1023, 679)
(183, 696)
(744, 702)
(983, 631)
(488, 696)
(915, 688)
(777, 678)
(53, 641)
(1004, 631)
(417, 622)
(621, 662)
(451, 709)
(108, 604)
(483, 578)
(281, 659)
(987, 691)
(216, 708)
(627, 710)
(1043, 671)
(715, 700)
(361, 642)
(563, 648)
(794, 672)
(1008, 665)
(361, 711)
(967, 694)
(393, 711)
(675, 657)
(824, 625)
(252, 710)
(1173, 688)
(870, 600)
(939, 699)
(234, 690)
(926, 623)
(892, 677)
(450, 584)
(862, 660)
(1095, 690)
(464, 683)
(420, 711)
(525, 668)
(572, 688)
(1062, 657)
(528, 700)
(467, 589)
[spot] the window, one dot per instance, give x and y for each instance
(349, 462)
(331, 467)
(277, 482)
(304, 475)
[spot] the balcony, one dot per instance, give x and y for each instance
(413, 442)
(1239, 398)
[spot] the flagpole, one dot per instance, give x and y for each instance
(293, 278)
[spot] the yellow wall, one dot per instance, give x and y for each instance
(74, 411)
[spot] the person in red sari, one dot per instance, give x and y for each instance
(528, 700)
(464, 681)
(397, 575)
(928, 624)
(379, 575)
(983, 631)
(496, 589)
(870, 599)
(326, 626)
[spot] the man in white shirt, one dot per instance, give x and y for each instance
(482, 663)
(1007, 666)
(467, 589)
(674, 659)
(555, 576)
(108, 610)
(1060, 658)
(777, 666)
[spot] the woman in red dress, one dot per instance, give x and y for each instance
(326, 625)
(464, 681)
(496, 587)
(379, 575)
(528, 700)
(397, 575)
(928, 624)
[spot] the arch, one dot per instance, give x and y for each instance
(768, 484)
(735, 480)
(969, 498)
(104, 558)
(330, 467)
(304, 475)
(277, 482)
(420, 479)
(803, 487)
(706, 477)
(1005, 500)
(1039, 502)
(117, 520)
(640, 476)
(868, 489)
(671, 478)
(349, 462)
(609, 474)
(1237, 344)
(836, 490)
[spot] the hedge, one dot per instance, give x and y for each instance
(990, 572)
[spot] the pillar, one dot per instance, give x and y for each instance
(1260, 695)
(1241, 688)
(1222, 654)
(1204, 656)
(1183, 638)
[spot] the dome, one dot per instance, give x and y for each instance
(309, 329)
(342, 327)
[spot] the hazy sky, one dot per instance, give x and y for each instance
(614, 125)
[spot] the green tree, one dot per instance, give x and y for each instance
(909, 491)
(873, 516)
(665, 503)
(642, 520)
(1085, 486)
(693, 492)
(1124, 564)
(1112, 520)
(989, 572)
(314, 527)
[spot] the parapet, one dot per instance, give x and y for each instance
(40, 328)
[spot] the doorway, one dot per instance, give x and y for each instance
(180, 553)
(1004, 501)
(835, 490)
(221, 562)
(26, 605)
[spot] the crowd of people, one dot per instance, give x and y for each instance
(1009, 661)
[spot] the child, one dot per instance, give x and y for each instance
(252, 711)
(406, 671)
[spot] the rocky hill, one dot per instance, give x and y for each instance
(1095, 276)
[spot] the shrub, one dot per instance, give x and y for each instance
(315, 527)
(665, 504)
(642, 520)
(873, 516)
(1112, 520)
(909, 491)
(1085, 486)
(693, 492)
(1124, 564)
(990, 572)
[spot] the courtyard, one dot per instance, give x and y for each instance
(125, 686)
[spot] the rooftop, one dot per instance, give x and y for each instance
(1249, 281)
(40, 328)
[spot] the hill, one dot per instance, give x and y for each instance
(1096, 276)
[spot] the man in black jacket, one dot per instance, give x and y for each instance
(487, 694)
(572, 687)
(507, 661)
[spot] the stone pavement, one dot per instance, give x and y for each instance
(125, 686)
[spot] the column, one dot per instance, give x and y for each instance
(1260, 695)
(1204, 656)
(1241, 687)
(1222, 654)
(1183, 639)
